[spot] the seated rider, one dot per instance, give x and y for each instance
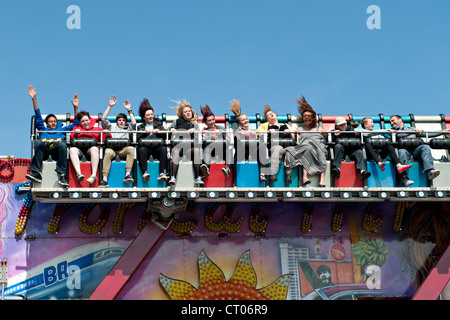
(152, 129)
(274, 150)
(215, 135)
(379, 154)
(344, 129)
(126, 152)
(87, 129)
(245, 139)
(421, 153)
(50, 144)
(310, 151)
(184, 127)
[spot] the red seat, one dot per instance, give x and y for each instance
(328, 122)
(216, 177)
(86, 171)
(349, 177)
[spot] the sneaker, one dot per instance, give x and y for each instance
(91, 179)
(146, 177)
(162, 177)
(128, 179)
(205, 170)
(103, 184)
(35, 176)
(198, 180)
(433, 174)
(335, 172)
(408, 182)
(63, 180)
(226, 171)
(80, 177)
(365, 175)
(173, 181)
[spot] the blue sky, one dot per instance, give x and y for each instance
(211, 51)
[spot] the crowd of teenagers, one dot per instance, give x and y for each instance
(271, 144)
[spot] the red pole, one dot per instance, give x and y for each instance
(130, 261)
(436, 281)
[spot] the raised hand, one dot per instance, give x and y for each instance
(127, 105)
(32, 92)
(75, 101)
(112, 101)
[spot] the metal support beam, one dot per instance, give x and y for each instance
(130, 260)
(436, 281)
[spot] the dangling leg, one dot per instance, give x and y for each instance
(74, 154)
(322, 182)
(95, 158)
(143, 154)
(175, 163)
(305, 177)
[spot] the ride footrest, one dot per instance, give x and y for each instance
(386, 178)
(247, 175)
(87, 172)
(116, 175)
(153, 170)
(281, 182)
(49, 176)
(185, 176)
(217, 178)
(349, 176)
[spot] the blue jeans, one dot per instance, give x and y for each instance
(42, 151)
(421, 153)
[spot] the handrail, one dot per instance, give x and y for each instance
(362, 133)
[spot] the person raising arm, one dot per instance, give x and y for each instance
(50, 142)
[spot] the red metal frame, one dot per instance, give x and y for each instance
(130, 260)
(436, 281)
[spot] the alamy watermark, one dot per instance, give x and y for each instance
(374, 21)
(74, 20)
(374, 277)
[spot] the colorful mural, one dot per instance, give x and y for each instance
(214, 286)
(279, 250)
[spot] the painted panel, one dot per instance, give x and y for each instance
(282, 250)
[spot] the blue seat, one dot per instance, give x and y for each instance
(247, 175)
(417, 175)
(280, 183)
(116, 175)
(378, 179)
(153, 170)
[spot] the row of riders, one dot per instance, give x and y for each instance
(308, 146)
